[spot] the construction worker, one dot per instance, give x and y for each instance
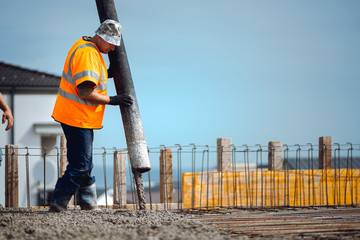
(79, 107)
(7, 115)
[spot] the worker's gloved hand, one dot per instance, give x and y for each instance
(124, 100)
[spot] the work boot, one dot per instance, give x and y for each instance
(59, 200)
(87, 198)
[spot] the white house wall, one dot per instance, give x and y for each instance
(29, 109)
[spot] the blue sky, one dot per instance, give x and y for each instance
(255, 71)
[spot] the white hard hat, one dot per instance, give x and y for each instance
(110, 31)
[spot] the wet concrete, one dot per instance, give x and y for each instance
(22, 223)
(140, 189)
(314, 223)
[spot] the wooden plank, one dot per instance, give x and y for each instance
(63, 155)
(11, 176)
(166, 176)
(63, 163)
(224, 154)
(325, 161)
(119, 178)
(275, 156)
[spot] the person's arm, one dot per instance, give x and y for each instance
(7, 113)
(96, 98)
(87, 92)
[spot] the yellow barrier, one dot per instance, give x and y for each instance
(271, 188)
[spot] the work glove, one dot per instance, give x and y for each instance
(124, 100)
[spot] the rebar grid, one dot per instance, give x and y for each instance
(248, 175)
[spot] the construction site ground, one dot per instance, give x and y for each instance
(299, 223)
(287, 223)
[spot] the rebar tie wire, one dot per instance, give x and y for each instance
(337, 177)
(179, 174)
(27, 177)
(311, 159)
(150, 197)
(193, 158)
(44, 154)
(104, 167)
(349, 155)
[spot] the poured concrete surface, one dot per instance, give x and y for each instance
(105, 224)
(74, 224)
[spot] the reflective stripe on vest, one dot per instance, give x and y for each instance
(68, 77)
(75, 98)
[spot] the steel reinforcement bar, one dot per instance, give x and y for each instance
(199, 176)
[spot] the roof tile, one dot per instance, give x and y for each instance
(15, 76)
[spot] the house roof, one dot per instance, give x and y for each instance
(19, 77)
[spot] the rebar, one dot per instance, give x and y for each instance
(27, 178)
(44, 161)
(298, 184)
(104, 167)
(178, 158)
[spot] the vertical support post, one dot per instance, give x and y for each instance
(224, 155)
(119, 178)
(166, 176)
(275, 161)
(11, 176)
(64, 163)
(63, 155)
(325, 161)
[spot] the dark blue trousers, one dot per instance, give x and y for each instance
(79, 155)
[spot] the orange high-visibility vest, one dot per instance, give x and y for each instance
(83, 63)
